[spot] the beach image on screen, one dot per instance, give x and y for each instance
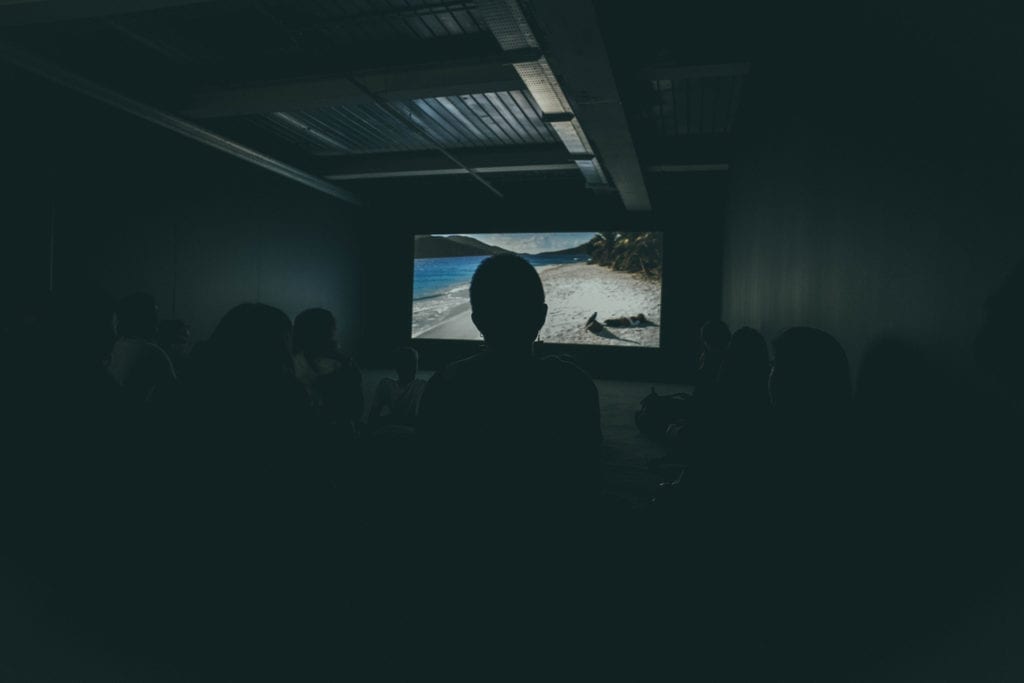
(601, 287)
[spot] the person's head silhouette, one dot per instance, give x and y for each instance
(714, 335)
(508, 302)
(811, 375)
(315, 333)
(743, 376)
(253, 342)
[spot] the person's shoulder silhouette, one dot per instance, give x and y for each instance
(504, 407)
(136, 362)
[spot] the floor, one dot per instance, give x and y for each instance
(627, 452)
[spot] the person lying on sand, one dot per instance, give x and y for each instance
(624, 321)
(593, 325)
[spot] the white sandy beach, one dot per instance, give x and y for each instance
(574, 291)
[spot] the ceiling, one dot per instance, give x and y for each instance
(350, 96)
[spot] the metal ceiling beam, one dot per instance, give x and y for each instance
(518, 158)
(60, 76)
(27, 12)
(507, 22)
(512, 159)
(568, 34)
(394, 85)
(408, 173)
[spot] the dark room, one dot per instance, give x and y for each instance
(511, 340)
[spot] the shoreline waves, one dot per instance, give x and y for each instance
(574, 291)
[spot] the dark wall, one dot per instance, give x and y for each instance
(876, 189)
(138, 208)
(690, 213)
(26, 184)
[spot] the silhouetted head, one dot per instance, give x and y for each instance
(315, 333)
(508, 301)
(743, 376)
(137, 316)
(253, 342)
(999, 347)
(407, 362)
(748, 346)
(811, 374)
(714, 335)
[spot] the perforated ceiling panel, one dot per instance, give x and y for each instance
(482, 120)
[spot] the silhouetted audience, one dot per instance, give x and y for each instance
(731, 428)
(812, 528)
(331, 379)
(173, 336)
(396, 401)
(810, 377)
(943, 594)
(714, 338)
(245, 371)
(243, 397)
(253, 477)
(687, 432)
(765, 511)
(136, 362)
(514, 427)
(802, 502)
(742, 385)
(509, 462)
(72, 491)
